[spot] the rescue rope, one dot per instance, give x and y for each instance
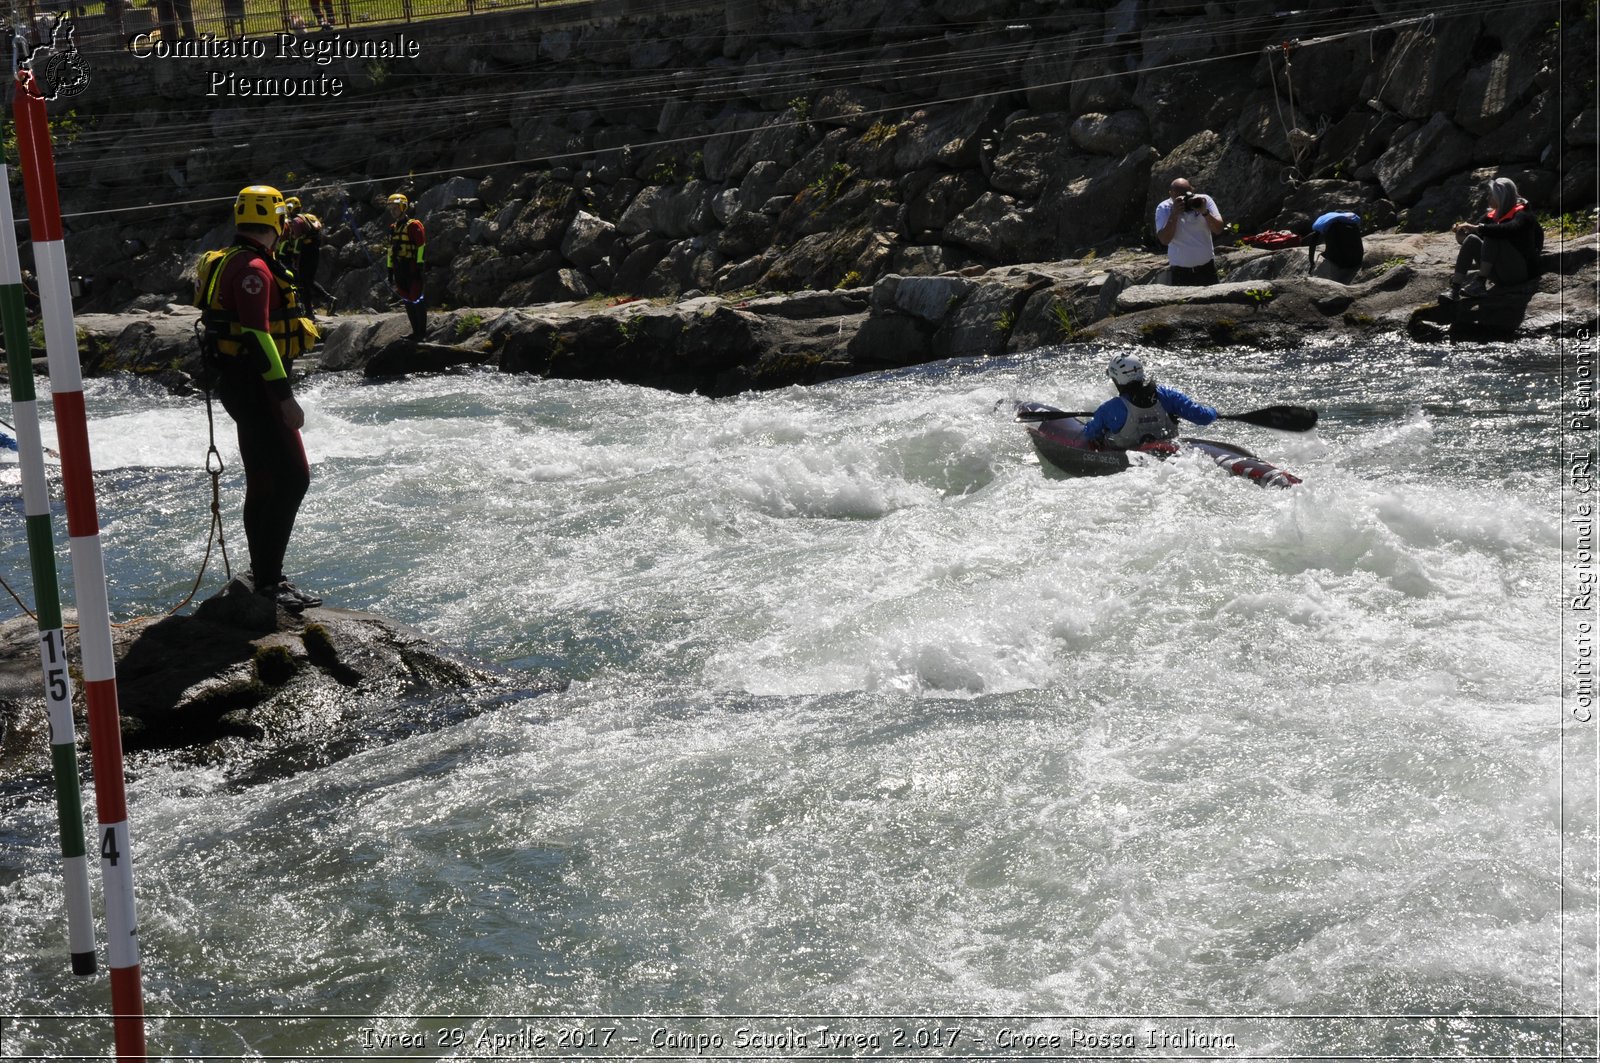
(1427, 31)
(20, 603)
(1293, 174)
(214, 536)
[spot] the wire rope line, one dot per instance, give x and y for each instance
(388, 123)
(801, 71)
(848, 61)
(638, 145)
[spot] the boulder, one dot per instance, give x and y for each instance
(926, 260)
(1324, 76)
(853, 106)
(734, 134)
(804, 305)
(948, 135)
(1110, 134)
(1422, 71)
(1101, 84)
(306, 687)
(589, 240)
(942, 200)
(1090, 201)
(1429, 155)
(1309, 200)
(1149, 296)
(1047, 76)
(928, 299)
(981, 325)
(444, 194)
(1061, 313)
(891, 340)
(827, 259)
(1584, 130)
(1494, 90)
(760, 184)
(1524, 137)
(780, 140)
(675, 211)
(406, 356)
(1032, 149)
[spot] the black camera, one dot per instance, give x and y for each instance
(1194, 201)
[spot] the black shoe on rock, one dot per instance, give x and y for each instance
(306, 599)
(289, 596)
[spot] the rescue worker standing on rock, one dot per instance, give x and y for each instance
(254, 328)
(301, 249)
(407, 239)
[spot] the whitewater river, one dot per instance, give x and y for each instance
(876, 740)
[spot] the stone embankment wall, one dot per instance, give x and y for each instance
(781, 145)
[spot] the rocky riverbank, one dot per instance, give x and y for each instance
(761, 147)
(721, 345)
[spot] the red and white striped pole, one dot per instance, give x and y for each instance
(88, 565)
(46, 595)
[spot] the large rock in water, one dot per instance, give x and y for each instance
(298, 690)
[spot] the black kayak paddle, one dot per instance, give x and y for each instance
(1283, 418)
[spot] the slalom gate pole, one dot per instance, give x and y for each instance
(46, 593)
(88, 566)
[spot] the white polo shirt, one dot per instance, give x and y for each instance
(1192, 245)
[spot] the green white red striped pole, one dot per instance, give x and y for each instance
(88, 565)
(46, 593)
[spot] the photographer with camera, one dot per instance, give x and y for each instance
(1185, 223)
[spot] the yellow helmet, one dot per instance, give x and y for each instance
(397, 200)
(259, 205)
(291, 204)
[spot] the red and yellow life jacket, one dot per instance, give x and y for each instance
(301, 232)
(403, 248)
(291, 329)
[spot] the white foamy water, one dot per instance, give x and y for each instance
(868, 716)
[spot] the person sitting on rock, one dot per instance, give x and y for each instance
(1502, 247)
(1143, 411)
(1185, 224)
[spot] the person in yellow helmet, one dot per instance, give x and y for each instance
(301, 249)
(254, 329)
(407, 242)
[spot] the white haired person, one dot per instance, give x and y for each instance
(1143, 411)
(1502, 247)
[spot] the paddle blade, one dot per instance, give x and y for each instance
(1283, 418)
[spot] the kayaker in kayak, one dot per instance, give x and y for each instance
(1143, 410)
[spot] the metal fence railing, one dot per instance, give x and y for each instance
(115, 22)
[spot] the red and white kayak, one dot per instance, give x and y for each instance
(1059, 441)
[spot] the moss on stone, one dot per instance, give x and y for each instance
(275, 665)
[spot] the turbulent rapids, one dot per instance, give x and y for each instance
(868, 718)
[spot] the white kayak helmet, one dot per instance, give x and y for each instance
(1125, 369)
